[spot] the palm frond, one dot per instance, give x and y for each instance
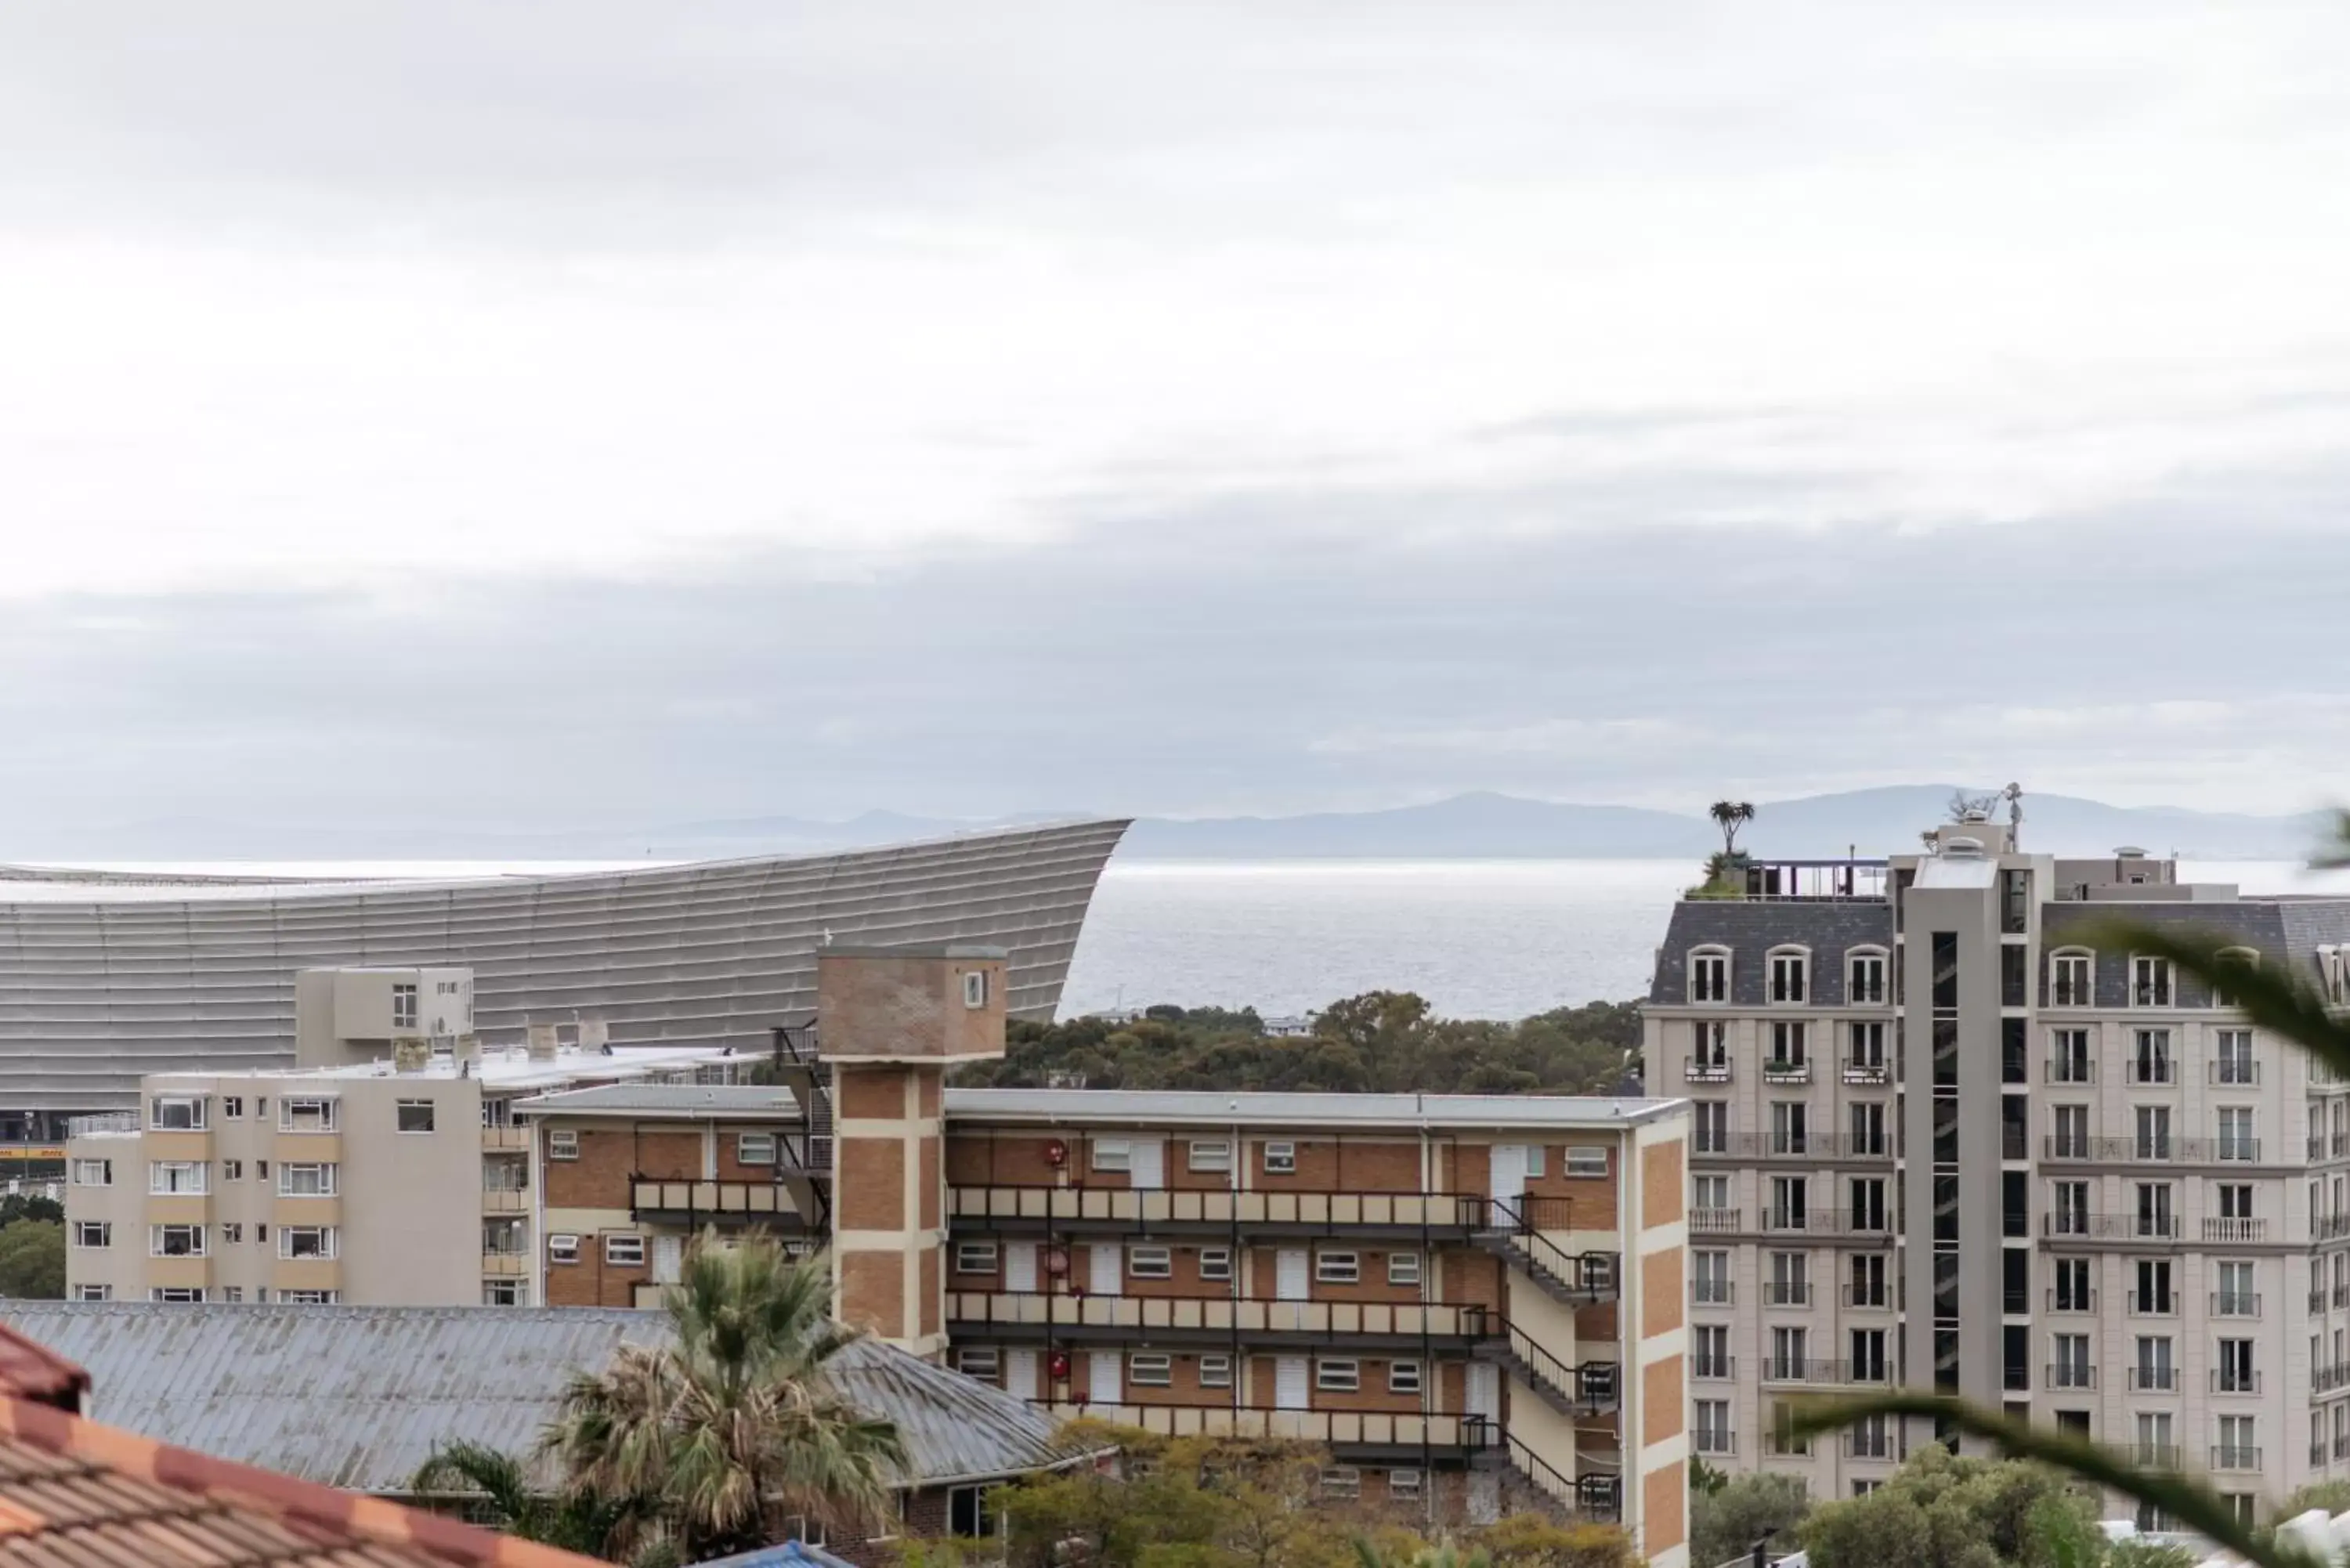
(2282, 1002)
(2335, 855)
(2193, 1506)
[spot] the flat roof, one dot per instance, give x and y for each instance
(508, 1067)
(688, 1101)
(1210, 1108)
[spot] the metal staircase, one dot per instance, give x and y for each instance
(1592, 1388)
(1570, 1279)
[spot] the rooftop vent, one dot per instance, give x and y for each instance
(2130, 851)
(1963, 848)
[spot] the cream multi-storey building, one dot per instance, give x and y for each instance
(1942, 1138)
(386, 1169)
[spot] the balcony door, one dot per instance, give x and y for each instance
(1020, 1266)
(1149, 1166)
(668, 1260)
(1107, 1277)
(1289, 1383)
(1509, 1172)
(1020, 1374)
(1293, 1280)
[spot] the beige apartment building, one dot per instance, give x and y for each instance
(1942, 1138)
(386, 1168)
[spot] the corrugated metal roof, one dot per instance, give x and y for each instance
(667, 1099)
(359, 1396)
(1297, 1110)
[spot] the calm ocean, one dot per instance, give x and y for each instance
(1479, 938)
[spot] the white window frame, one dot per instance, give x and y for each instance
(510, 1288)
(407, 1004)
(985, 1363)
(93, 1292)
(327, 1108)
(755, 1148)
(1708, 976)
(326, 1187)
(193, 1105)
(399, 1110)
(329, 1245)
(83, 1230)
(1209, 1155)
(1405, 1377)
(618, 1251)
(1874, 960)
(199, 1236)
(1215, 1262)
(1406, 1484)
(231, 1107)
(1281, 1157)
(1788, 959)
(2068, 958)
(2168, 973)
(1580, 1165)
(1337, 1267)
(1338, 1374)
(1342, 1482)
(1404, 1268)
(1150, 1369)
(200, 1184)
(563, 1143)
(1150, 1263)
(185, 1296)
(563, 1248)
(1113, 1155)
(976, 1257)
(974, 988)
(83, 1170)
(1216, 1371)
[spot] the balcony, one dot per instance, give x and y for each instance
(2227, 1072)
(2162, 1150)
(2231, 1457)
(2072, 1374)
(2329, 1227)
(1716, 1220)
(2317, 1300)
(2071, 1070)
(2225, 1229)
(1715, 1367)
(1816, 1371)
(1877, 1295)
(1799, 1145)
(505, 1139)
(2326, 1379)
(2165, 1304)
(1830, 1221)
(2154, 1456)
(1348, 1433)
(2072, 1301)
(2225, 1380)
(1065, 1314)
(1705, 1072)
(2153, 1070)
(2111, 1227)
(2154, 1379)
(1866, 1073)
(695, 1203)
(1786, 1292)
(1713, 1293)
(2235, 1304)
(1711, 1440)
(504, 1201)
(1787, 1073)
(1055, 1206)
(2316, 1146)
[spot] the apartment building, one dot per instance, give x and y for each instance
(1943, 1136)
(387, 1168)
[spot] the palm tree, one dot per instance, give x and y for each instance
(2287, 1005)
(736, 1422)
(1730, 816)
(502, 1484)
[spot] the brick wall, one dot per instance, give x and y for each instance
(1661, 1183)
(870, 1187)
(598, 1179)
(1661, 1291)
(592, 1281)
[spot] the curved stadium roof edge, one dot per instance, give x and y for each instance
(98, 987)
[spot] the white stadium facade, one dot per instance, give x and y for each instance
(106, 976)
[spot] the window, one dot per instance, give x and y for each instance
(974, 988)
(983, 1364)
(1709, 975)
(969, 1514)
(624, 1252)
(233, 1107)
(2069, 1290)
(1709, 1049)
(2236, 1141)
(502, 1293)
(1868, 1287)
(306, 1240)
(182, 1295)
(1215, 1372)
(563, 1249)
(1215, 1262)
(1787, 1045)
(306, 1115)
(974, 1258)
(1790, 975)
(1337, 1267)
(93, 1233)
(1711, 1270)
(2150, 1059)
(261, 1170)
(1710, 1350)
(2150, 982)
(2070, 1362)
(2231, 1058)
(93, 1173)
(755, 1148)
(1338, 1375)
(403, 1007)
(179, 1175)
(415, 1116)
(93, 1292)
(1150, 1263)
(1404, 1483)
(233, 1231)
(1113, 1154)
(1281, 1159)
(1866, 985)
(1403, 1377)
(2234, 1374)
(1342, 1480)
(1403, 1268)
(1586, 1159)
(306, 1181)
(175, 1242)
(562, 1142)
(1712, 1125)
(1712, 1435)
(1712, 1193)
(1209, 1155)
(2238, 1448)
(176, 1113)
(2155, 1372)
(2068, 1057)
(2072, 979)
(2235, 1296)
(1146, 1369)
(1869, 1360)
(232, 1170)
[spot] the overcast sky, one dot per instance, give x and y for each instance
(581, 413)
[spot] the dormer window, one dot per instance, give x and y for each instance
(1709, 975)
(2333, 973)
(2072, 979)
(2241, 958)
(1866, 984)
(2150, 982)
(1791, 970)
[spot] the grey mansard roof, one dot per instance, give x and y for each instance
(2287, 932)
(103, 980)
(1751, 927)
(358, 1397)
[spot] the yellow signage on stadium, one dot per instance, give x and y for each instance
(31, 1151)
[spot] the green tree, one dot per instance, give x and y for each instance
(503, 1484)
(709, 1438)
(19, 1206)
(33, 1260)
(1538, 1540)
(1942, 1510)
(1730, 816)
(1728, 1520)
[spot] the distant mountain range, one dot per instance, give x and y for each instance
(1464, 827)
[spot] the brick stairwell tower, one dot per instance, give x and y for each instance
(889, 1023)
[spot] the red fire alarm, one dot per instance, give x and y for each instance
(1057, 1153)
(1059, 1365)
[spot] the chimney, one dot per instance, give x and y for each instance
(542, 1043)
(466, 1051)
(411, 1054)
(594, 1036)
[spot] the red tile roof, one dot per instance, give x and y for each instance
(74, 1492)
